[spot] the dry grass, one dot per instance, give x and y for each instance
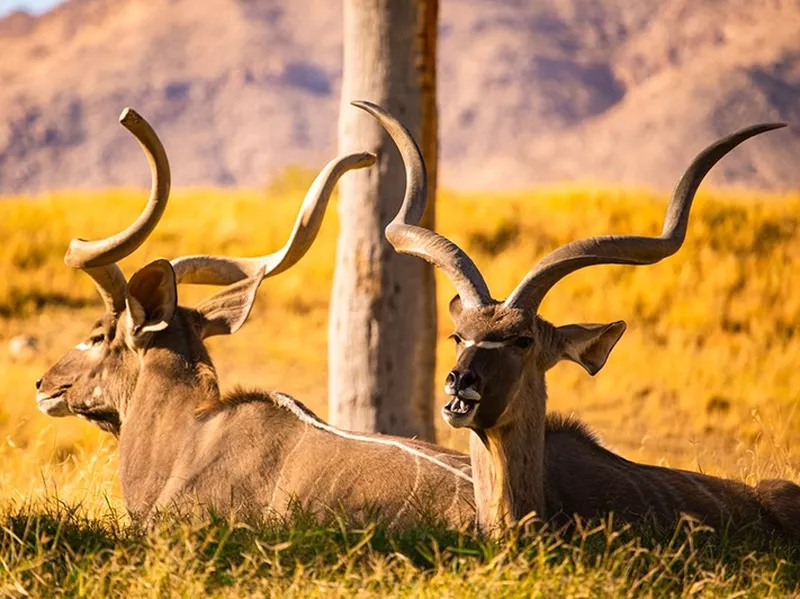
(705, 378)
(49, 550)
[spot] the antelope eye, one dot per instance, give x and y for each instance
(523, 342)
(455, 338)
(95, 339)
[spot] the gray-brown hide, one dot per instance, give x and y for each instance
(251, 453)
(144, 374)
(522, 461)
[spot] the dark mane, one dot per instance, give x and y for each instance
(561, 424)
(239, 396)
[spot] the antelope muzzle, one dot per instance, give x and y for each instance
(462, 387)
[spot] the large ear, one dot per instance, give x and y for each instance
(225, 312)
(151, 298)
(455, 306)
(590, 344)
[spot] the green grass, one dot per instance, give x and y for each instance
(51, 549)
(706, 378)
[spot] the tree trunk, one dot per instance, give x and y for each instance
(381, 347)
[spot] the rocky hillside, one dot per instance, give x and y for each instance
(552, 90)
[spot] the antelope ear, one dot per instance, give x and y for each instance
(225, 312)
(590, 344)
(151, 298)
(455, 307)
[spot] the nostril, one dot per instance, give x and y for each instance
(38, 384)
(468, 379)
(451, 379)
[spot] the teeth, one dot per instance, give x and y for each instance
(469, 394)
(459, 406)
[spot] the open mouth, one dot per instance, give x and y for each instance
(461, 408)
(54, 404)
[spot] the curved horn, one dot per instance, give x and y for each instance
(630, 249)
(82, 253)
(98, 258)
(222, 270)
(408, 238)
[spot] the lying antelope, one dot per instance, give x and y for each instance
(498, 383)
(144, 374)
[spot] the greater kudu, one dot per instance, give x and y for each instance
(522, 460)
(144, 374)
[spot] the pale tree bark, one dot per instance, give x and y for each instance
(382, 337)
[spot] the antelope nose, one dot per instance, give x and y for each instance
(461, 380)
(38, 384)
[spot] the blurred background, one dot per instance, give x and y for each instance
(558, 119)
(529, 92)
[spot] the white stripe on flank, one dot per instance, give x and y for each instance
(280, 472)
(288, 402)
(485, 344)
(411, 495)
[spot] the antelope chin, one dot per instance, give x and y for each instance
(459, 412)
(53, 405)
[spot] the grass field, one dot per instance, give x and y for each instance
(706, 378)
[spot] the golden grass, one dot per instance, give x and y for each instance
(47, 550)
(706, 377)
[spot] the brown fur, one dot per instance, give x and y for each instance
(255, 453)
(512, 437)
(145, 375)
(251, 453)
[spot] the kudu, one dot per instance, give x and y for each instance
(144, 374)
(522, 460)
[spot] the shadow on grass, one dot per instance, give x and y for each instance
(51, 545)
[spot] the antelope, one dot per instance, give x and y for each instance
(144, 375)
(523, 461)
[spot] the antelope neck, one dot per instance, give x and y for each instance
(508, 462)
(160, 426)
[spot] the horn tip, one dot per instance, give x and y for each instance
(129, 116)
(72, 257)
(366, 159)
(370, 107)
(763, 128)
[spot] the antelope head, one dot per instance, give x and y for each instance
(97, 378)
(505, 347)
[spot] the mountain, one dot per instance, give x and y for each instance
(530, 92)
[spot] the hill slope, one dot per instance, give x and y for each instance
(530, 92)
